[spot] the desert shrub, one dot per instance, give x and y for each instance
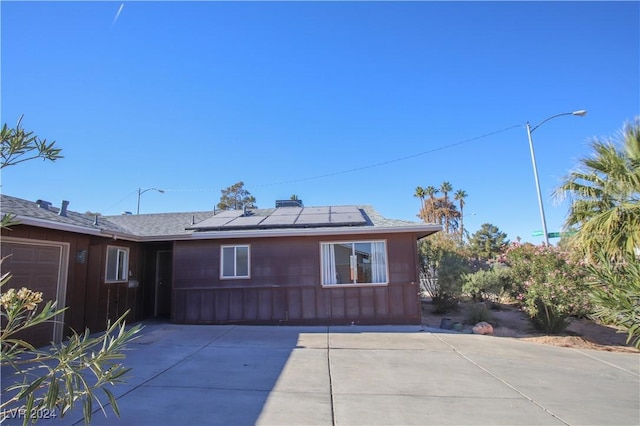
(442, 265)
(615, 291)
(487, 284)
(444, 303)
(549, 283)
(478, 312)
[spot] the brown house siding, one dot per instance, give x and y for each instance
(89, 301)
(285, 288)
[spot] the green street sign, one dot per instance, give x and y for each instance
(538, 233)
(553, 234)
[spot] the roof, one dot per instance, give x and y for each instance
(255, 223)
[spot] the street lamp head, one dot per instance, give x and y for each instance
(580, 113)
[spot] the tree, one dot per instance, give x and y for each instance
(615, 290)
(431, 191)
(445, 187)
(459, 196)
(19, 146)
(420, 194)
(438, 209)
(70, 372)
(236, 197)
(487, 242)
(443, 262)
(605, 195)
(293, 197)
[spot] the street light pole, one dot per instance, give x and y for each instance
(579, 113)
(141, 191)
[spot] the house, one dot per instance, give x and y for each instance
(284, 265)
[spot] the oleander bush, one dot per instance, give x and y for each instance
(550, 284)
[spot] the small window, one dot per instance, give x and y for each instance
(117, 264)
(234, 261)
(354, 263)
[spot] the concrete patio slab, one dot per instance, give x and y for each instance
(244, 375)
(419, 410)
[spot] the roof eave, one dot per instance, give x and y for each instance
(421, 231)
(60, 226)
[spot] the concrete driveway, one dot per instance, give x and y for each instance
(395, 375)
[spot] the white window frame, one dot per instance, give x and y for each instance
(121, 266)
(235, 275)
(323, 280)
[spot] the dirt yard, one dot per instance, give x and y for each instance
(509, 321)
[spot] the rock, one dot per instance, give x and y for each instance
(483, 328)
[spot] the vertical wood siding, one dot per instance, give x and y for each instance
(285, 288)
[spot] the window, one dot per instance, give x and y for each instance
(117, 264)
(234, 261)
(359, 262)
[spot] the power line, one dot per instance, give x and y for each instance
(395, 160)
(342, 172)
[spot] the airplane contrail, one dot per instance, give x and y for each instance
(118, 14)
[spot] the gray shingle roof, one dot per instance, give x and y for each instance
(175, 225)
(30, 209)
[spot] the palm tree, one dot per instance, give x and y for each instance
(605, 195)
(459, 196)
(420, 194)
(445, 187)
(430, 207)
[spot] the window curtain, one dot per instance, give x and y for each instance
(329, 264)
(378, 263)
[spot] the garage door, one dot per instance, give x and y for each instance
(39, 266)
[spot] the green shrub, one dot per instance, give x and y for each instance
(615, 291)
(549, 284)
(444, 303)
(486, 284)
(442, 265)
(478, 312)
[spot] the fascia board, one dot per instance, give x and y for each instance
(60, 226)
(422, 230)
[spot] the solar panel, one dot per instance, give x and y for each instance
(281, 220)
(315, 210)
(345, 209)
(313, 219)
(287, 211)
(347, 218)
(285, 217)
(229, 213)
(245, 221)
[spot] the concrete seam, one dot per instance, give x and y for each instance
(333, 411)
(462, 354)
(606, 362)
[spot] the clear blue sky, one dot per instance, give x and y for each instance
(290, 96)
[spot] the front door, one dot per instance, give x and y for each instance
(164, 274)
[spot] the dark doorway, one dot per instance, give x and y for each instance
(164, 273)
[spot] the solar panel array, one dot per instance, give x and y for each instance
(284, 217)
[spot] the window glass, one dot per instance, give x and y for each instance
(362, 262)
(242, 261)
(117, 264)
(235, 262)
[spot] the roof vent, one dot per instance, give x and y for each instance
(288, 203)
(43, 204)
(63, 208)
